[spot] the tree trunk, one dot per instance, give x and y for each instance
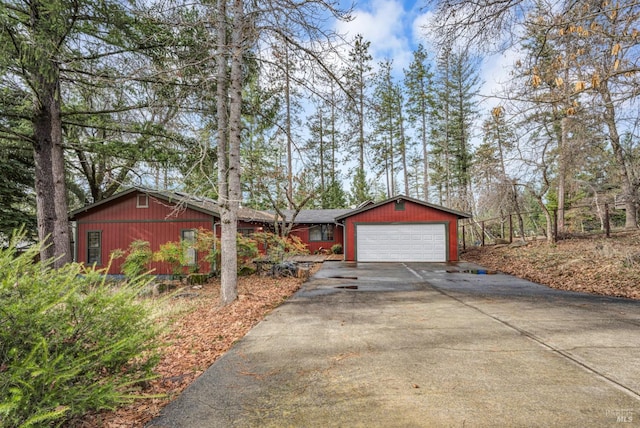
(516, 205)
(403, 144)
(547, 217)
(562, 170)
(227, 204)
(626, 174)
(425, 161)
(287, 96)
(50, 185)
(323, 186)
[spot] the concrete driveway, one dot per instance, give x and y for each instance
(425, 345)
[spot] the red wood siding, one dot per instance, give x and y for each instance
(121, 222)
(124, 209)
(413, 213)
(302, 231)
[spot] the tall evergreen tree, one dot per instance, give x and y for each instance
(388, 132)
(358, 78)
(48, 49)
(321, 151)
(456, 111)
(17, 204)
(418, 81)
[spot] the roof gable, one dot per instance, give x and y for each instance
(368, 207)
(205, 205)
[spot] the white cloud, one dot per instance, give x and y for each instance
(420, 27)
(381, 22)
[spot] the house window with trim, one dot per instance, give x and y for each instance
(245, 231)
(188, 236)
(94, 247)
(142, 201)
(321, 232)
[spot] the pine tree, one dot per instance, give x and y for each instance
(420, 89)
(49, 52)
(456, 111)
(385, 130)
(358, 77)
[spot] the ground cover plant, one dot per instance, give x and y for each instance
(70, 342)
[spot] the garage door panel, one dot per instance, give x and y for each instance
(401, 242)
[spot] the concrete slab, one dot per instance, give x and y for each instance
(416, 346)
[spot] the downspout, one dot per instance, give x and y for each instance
(214, 266)
(344, 240)
(74, 228)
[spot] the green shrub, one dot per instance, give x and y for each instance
(336, 249)
(137, 260)
(69, 343)
(172, 253)
(246, 247)
(247, 250)
(277, 247)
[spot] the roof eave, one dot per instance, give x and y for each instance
(152, 193)
(459, 214)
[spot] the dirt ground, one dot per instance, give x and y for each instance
(590, 264)
(200, 331)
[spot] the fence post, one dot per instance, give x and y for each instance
(607, 225)
(482, 224)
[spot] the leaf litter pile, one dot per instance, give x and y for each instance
(198, 332)
(594, 264)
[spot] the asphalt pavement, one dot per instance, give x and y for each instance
(425, 345)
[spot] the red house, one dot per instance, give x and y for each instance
(318, 228)
(401, 229)
(154, 216)
(398, 229)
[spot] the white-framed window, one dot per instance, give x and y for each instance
(321, 232)
(94, 247)
(142, 201)
(188, 236)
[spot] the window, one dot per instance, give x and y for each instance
(142, 201)
(94, 247)
(188, 236)
(321, 232)
(245, 231)
(399, 205)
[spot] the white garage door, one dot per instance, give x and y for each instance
(401, 242)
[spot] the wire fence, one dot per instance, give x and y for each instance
(578, 220)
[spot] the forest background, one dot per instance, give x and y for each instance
(182, 96)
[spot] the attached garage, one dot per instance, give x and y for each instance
(401, 242)
(401, 229)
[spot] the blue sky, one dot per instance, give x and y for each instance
(392, 27)
(396, 27)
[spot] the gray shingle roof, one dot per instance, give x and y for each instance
(207, 205)
(316, 216)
